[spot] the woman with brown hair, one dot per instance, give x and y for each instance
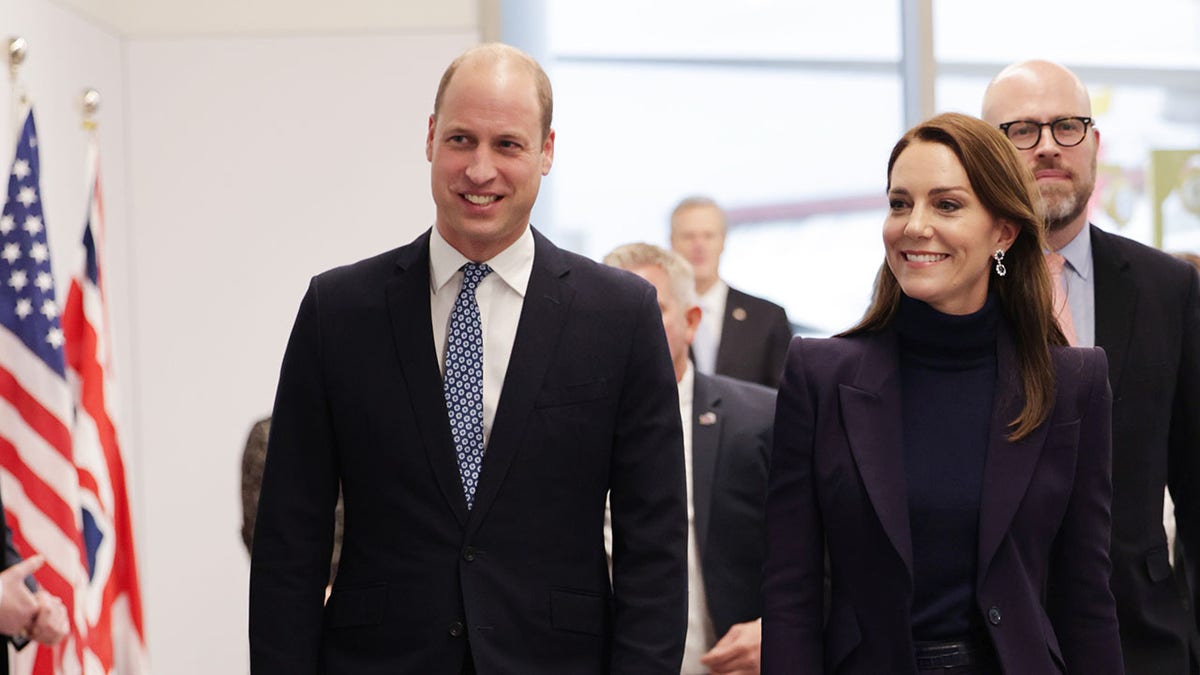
(943, 466)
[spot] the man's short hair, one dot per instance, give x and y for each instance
(694, 202)
(498, 52)
(679, 271)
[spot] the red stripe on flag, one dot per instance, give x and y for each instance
(47, 499)
(35, 414)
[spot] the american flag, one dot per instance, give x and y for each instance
(39, 483)
(112, 601)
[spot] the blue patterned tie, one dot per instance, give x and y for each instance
(463, 382)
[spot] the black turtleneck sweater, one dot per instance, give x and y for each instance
(948, 378)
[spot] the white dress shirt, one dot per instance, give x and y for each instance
(700, 637)
(708, 333)
(700, 633)
(500, 295)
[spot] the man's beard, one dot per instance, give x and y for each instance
(1061, 206)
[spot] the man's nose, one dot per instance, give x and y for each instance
(481, 168)
(1046, 145)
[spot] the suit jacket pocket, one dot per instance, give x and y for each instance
(356, 606)
(1052, 644)
(578, 611)
(1158, 564)
(571, 394)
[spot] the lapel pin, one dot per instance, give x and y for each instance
(707, 419)
(739, 314)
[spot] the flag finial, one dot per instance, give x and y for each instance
(89, 101)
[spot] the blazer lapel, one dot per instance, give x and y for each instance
(1008, 466)
(706, 439)
(871, 415)
(547, 300)
(1115, 301)
(408, 307)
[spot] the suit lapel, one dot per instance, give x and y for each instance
(547, 300)
(871, 415)
(1008, 466)
(1115, 302)
(706, 439)
(731, 329)
(412, 330)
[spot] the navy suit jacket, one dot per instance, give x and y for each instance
(838, 489)
(731, 455)
(589, 405)
(754, 339)
(1148, 322)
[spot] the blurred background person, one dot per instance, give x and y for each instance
(726, 443)
(948, 454)
(27, 612)
(740, 335)
(1190, 258)
(1143, 308)
(254, 458)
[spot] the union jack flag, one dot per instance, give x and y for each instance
(112, 599)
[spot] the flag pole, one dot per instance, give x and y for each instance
(89, 104)
(18, 49)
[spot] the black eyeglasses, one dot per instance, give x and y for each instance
(1066, 131)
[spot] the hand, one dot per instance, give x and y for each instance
(738, 652)
(51, 623)
(18, 606)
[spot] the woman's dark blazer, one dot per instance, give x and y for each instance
(837, 490)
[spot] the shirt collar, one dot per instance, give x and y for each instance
(1078, 252)
(713, 295)
(513, 265)
(687, 385)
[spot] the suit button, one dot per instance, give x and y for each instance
(994, 616)
(457, 629)
(469, 554)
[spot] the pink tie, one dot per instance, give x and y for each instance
(1062, 308)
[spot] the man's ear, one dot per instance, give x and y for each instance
(548, 153)
(692, 315)
(429, 140)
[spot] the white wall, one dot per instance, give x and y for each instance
(235, 168)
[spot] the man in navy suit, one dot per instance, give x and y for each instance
(740, 335)
(727, 446)
(477, 393)
(1143, 307)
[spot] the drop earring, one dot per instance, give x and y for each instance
(999, 257)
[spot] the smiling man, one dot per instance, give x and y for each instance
(1143, 307)
(477, 394)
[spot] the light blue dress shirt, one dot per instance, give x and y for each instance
(1081, 286)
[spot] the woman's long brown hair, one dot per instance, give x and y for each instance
(1006, 188)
